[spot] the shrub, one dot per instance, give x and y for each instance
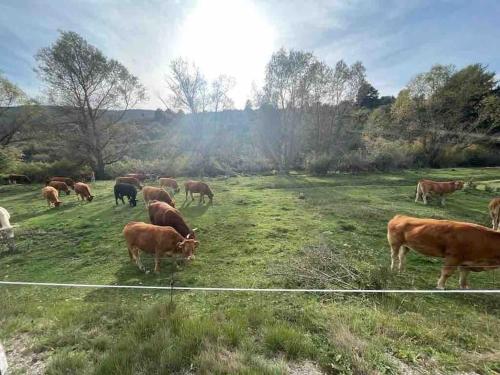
(39, 171)
(319, 165)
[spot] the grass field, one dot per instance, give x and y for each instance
(252, 236)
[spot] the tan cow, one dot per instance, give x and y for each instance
(83, 191)
(198, 187)
(160, 241)
(169, 183)
(428, 187)
(50, 193)
(60, 186)
(129, 180)
(494, 207)
(468, 247)
(151, 193)
(68, 181)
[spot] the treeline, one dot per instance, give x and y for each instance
(308, 115)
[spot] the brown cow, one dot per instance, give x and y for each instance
(161, 213)
(15, 178)
(469, 247)
(83, 191)
(156, 194)
(129, 180)
(68, 181)
(140, 176)
(160, 241)
(50, 193)
(198, 187)
(428, 187)
(169, 182)
(60, 186)
(494, 207)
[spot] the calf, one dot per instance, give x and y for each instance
(126, 190)
(428, 187)
(156, 194)
(198, 187)
(51, 195)
(68, 181)
(469, 247)
(170, 183)
(494, 207)
(60, 186)
(15, 178)
(6, 230)
(129, 180)
(160, 241)
(161, 213)
(83, 191)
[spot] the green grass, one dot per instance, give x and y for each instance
(256, 228)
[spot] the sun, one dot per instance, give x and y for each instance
(231, 37)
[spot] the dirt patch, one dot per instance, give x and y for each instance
(21, 358)
(304, 368)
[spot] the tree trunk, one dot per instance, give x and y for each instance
(99, 172)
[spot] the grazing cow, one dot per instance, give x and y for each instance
(50, 193)
(126, 190)
(6, 230)
(60, 186)
(15, 178)
(161, 213)
(428, 187)
(156, 194)
(198, 187)
(469, 247)
(68, 181)
(494, 207)
(170, 183)
(160, 241)
(140, 176)
(83, 191)
(129, 180)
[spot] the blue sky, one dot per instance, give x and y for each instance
(395, 40)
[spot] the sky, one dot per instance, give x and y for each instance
(394, 39)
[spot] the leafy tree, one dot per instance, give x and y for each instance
(92, 94)
(219, 96)
(367, 96)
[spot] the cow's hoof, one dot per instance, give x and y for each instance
(440, 287)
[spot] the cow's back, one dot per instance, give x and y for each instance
(161, 213)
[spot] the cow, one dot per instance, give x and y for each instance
(60, 186)
(6, 230)
(50, 193)
(83, 191)
(156, 194)
(129, 180)
(494, 207)
(140, 176)
(68, 181)
(161, 213)
(15, 178)
(198, 187)
(157, 240)
(170, 183)
(468, 247)
(126, 190)
(428, 187)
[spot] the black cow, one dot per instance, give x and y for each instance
(18, 178)
(126, 190)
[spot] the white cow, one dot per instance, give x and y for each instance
(6, 230)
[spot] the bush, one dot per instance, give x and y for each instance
(40, 171)
(319, 165)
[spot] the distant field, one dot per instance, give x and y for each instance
(255, 229)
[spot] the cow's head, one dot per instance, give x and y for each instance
(459, 185)
(67, 191)
(188, 247)
(89, 198)
(132, 201)
(57, 203)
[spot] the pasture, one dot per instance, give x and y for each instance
(253, 235)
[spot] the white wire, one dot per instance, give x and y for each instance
(258, 290)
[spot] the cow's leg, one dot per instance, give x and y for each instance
(417, 195)
(403, 250)
(202, 198)
(463, 278)
(424, 197)
(496, 221)
(136, 252)
(450, 264)
(157, 261)
(186, 194)
(394, 255)
(191, 193)
(130, 253)
(442, 200)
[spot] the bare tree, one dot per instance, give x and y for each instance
(92, 94)
(187, 87)
(219, 96)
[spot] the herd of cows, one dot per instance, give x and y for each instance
(463, 246)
